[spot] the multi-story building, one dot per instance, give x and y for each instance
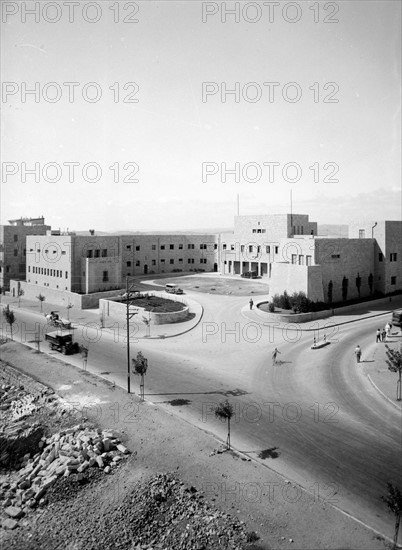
(288, 254)
(13, 247)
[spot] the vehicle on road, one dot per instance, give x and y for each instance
(173, 289)
(397, 318)
(62, 342)
(54, 320)
(250, 274)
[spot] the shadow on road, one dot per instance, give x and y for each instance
(235, 393)
(269, 453)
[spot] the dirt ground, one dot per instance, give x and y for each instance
(234, 286)
(163, 444)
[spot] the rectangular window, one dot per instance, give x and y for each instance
(232, 247)
(171, 246)
(172, 261)
(138, 248)
(294, 258)
(250, 248)
(393, 280)
(180, 260)
(66, 274)
(162, 247)
(362, 233)
(97, 253)
(105, 277)
(254, 231)
(7, 269)
(29, 269)
(63, 252)
(258, 249)
(268, 249)
(393, 257)
(162, 261)
(137, 263)
(301, 259)
(89, 253)
(15, 238)
(215, 246)
(242, 248)
(224, 247)
(308, 260)
(128, 264)
(15, 252)
(276, 249)
(203, 261)
(128, 246)
(180, 247)
(153, 262)
(104, 253)
(380, 257)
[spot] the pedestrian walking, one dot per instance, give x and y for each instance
(274, 355)
(388, 329)
(383, 335)
(378, 337)
(358, 353)
(251, 303)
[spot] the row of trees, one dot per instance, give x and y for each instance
(345, 287)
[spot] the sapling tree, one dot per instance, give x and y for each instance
(140, 366)
(394, 502)
(41, 299)
(225, 411)
(330, 292)
(358, 283)
(370, 283)
(10, 318)
(345, 285)
(394, 362)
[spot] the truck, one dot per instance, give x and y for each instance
(62, 342)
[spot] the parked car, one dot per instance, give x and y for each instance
(62, 342)
(54, 319)
(173, 289)
(250, 274)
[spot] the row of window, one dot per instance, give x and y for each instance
(97, 253)
(171, 261)
(203, 246)
(252, 247)
(393, 257)
(300, 259)
(47, 271)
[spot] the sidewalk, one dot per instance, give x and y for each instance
(360, 312)
(376, 369)
(83, 317)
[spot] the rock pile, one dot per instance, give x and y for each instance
(72, 450)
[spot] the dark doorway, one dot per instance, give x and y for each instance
(145, 269)
(215, 267)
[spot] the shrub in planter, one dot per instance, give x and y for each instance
(271, 307)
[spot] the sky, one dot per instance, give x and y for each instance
(134, 125)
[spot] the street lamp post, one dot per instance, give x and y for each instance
(129, 315)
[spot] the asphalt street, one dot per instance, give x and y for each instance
(313, 418)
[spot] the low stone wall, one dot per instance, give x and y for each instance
(61, 297)
(292, 318)
(117, 310)
(390, 303)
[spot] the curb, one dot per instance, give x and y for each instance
(260, 321)
(383, 394)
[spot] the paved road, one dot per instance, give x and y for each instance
(318, 420)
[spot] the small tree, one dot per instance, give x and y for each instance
(20, 293)
(394, 362)
(140, 366)
(10, 318)
(394, 502)
(345, 285)
(358, 283)
(147, 323)
(370, 282)
(225, 411)
(41, 299)
(330, 292)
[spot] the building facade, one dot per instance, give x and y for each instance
(288, 254)
(95, 263)
(13, 247)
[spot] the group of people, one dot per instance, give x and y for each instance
(383, 334)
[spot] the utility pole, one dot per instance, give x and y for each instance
(129, 315)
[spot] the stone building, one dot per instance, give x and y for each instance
(13, 247)
(287, 253)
